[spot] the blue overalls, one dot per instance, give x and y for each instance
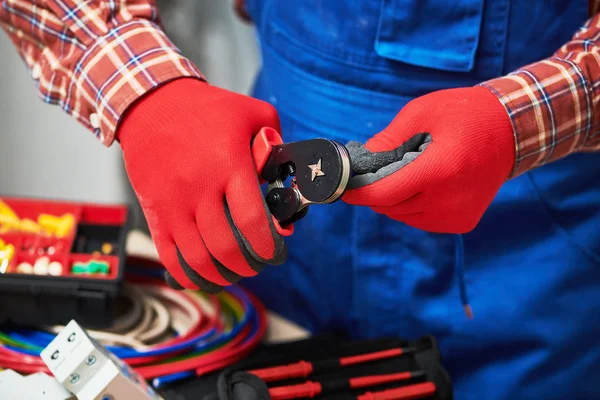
(342, 69)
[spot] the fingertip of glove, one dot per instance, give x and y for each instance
(281, 252)
(228, 274)
(254, 260)
(172, 282)
(209, 287)
(202, 283)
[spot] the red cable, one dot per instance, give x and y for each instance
(247, 347)
(24, 367)
(8, 356)
(152, 371)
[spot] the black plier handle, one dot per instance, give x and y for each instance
(319, 170)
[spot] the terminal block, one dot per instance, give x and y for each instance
(89, 371)
(38, 386)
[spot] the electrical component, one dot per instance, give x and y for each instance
(51, 225)
(107, 248)
(91, 372)
(25, 268)
(55, 268)
(59, 226)
(91, 267)
(7, 251)
(38, 386)
(40, 267)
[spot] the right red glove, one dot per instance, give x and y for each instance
(439, 164)
(187, 151)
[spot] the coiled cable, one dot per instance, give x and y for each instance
(162, 333)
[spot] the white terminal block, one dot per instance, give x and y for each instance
(91, 372)
(38, 386)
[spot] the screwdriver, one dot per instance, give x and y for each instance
(412, 392)
(302, 369)
(311, 389)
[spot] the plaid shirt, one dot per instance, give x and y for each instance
(553, 103)
(95, 58)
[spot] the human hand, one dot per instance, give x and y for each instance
(187, 151)
(439, 163)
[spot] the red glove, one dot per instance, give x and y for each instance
(187, 152)
(439, 163)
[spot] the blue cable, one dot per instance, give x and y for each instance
(121, 352)
(460, 266)
(21, 350)
(125, 353)
(34, 338)
(159, 382)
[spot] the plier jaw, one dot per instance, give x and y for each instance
(319, 170)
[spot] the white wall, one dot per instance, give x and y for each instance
(45, 153)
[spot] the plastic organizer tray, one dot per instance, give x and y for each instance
(67, 261)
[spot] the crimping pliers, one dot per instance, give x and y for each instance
(319, 170)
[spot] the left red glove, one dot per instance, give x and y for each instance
(187, 148)
(440, 162)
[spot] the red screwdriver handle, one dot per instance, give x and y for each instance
(300, 369)
(412, 392)
(300, 391)
(377, 355)
(373, 380)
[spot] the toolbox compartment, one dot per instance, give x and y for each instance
(90, 249)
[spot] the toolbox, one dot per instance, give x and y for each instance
(61, 260)
(242, 381)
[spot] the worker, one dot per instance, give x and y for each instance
(489, 111)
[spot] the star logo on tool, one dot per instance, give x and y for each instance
(316, 170)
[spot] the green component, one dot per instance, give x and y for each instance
(79, 268)
(91, 267)
(98, 267)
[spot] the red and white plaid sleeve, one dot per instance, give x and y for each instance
(554, 104)
(93, 58)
